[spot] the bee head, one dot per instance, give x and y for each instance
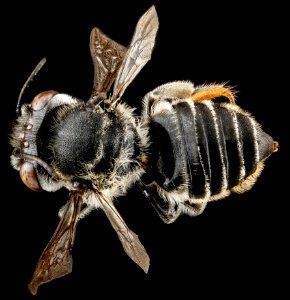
(34, 171)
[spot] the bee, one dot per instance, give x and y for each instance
(184, 150)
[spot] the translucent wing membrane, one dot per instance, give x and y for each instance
(129, 240)
(138, 53)
(56, 259)
(107, 56)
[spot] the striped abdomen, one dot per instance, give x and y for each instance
(203, 150)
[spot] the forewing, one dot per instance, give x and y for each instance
(130, 241)
(56, 259)
(107, 56)
(138, 53)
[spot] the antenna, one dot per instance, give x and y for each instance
(29, 79)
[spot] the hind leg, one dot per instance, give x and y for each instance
(169, 211)
(193, 209)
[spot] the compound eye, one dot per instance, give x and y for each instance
(41, 100)
(28, 176)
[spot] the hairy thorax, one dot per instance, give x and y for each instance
(102, 150)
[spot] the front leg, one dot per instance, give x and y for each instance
(90, 203)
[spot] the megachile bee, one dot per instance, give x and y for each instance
(185, 150)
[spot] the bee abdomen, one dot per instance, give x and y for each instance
(206, 148)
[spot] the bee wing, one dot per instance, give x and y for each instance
(56, 259)
(130, 241)
(138, 53)
(107, 56)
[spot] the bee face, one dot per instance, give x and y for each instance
(35, 173)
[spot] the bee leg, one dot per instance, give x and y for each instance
(211, 91)
(170, 211)
(83, 213)
(167, 211)
(62, 210)
(193, 209)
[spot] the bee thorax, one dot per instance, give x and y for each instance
(98, 147)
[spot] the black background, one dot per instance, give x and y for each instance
(237, 247)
